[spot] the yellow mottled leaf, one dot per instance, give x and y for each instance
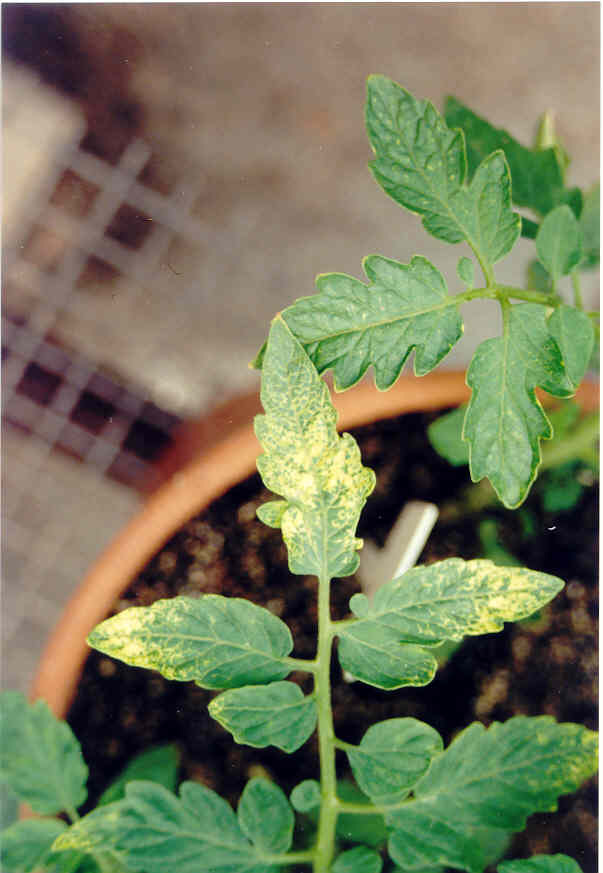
(443, 601)
(455, 598)
(215, 641)
(318, 473)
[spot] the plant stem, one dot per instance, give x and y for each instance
(325, 843)
(509, 291)
(341, 744)
(496, 292)
(506, 312)
(303, 664)
(349, 808)
(358, 808)
(485, 267)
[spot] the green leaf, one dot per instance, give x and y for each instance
(218, 642)
(378, 658)
(26, 845)
(446, 436)
(422, 842)
(546, 137)
(537, 176)
(572, 197)
(492, 546)
(392, 757)
(494, 842)
(266, 715)
(40, 758)
(538, 278)
(561, 489)
(306, 796)
(451, 599)
(541, 864)
(421, 164)
(505, 421)
(465, 270)
(484, 210)
(317, 472)
(492, 778)
(272, 513)
(76, 862)
(358, 860)
(158, 764)
(465, 848)
(348, 325)
(529, 228)
(367, 828)
(564, 417)
(96, 832)
(265, 817)
(446, 600)
(590, 228)
(154, 831)
(436, 869)
(573, 332)
(559, 243)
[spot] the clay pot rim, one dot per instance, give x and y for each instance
(205, 478)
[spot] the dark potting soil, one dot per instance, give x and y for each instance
(546, 665)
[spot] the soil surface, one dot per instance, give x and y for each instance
(544, 665)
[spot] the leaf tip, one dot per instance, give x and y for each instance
(359, 605)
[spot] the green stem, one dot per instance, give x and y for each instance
(345, 747)
(357, 808)
(506, 312)
(335, 626)
(303, 664)
(510, 291)
(498, 292)
(486, 268)
(473, 293)
(368, 809)
(325, 843)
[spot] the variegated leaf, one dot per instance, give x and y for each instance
(305, 461)
(489, 778)
(215, 641)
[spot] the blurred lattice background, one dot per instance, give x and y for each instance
(176, 173)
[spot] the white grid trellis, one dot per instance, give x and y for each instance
(57, 514)
(87, 237)
(49, 292)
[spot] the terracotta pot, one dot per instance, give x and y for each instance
(219, 452)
